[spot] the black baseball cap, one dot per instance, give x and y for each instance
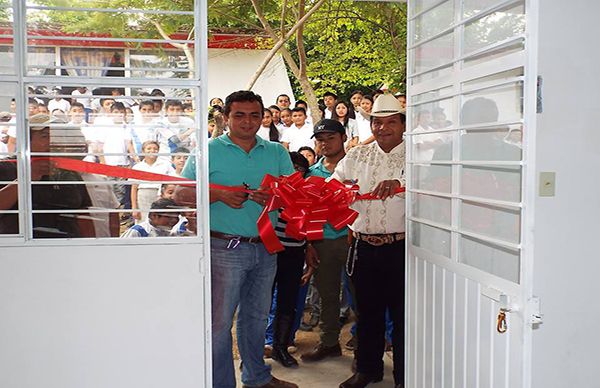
(329, 126)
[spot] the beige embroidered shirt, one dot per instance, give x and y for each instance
(370, 165)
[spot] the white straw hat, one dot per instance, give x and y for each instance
(386, 105)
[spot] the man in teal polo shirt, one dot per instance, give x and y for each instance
(330, 136)
(242, 271)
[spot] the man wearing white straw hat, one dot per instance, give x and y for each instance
(376, 258)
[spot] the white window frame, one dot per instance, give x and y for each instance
(21, 80)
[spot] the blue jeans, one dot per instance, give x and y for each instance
(297, 318)
(242, 278)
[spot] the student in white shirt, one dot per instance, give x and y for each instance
(355, 98)
(144, 126)
(343, 113)
(268, 130)
(276, 111)
(58, 102)
(329, 100)
(363, 121)
(299, 134)
(158, 224)
(176, 130)
(286, 119)
(144, 194)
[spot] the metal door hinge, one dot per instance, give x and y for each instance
(536, 315)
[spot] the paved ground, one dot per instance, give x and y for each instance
(328, 373)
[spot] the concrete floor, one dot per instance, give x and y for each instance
(328, 373)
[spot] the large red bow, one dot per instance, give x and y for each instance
(308, 204)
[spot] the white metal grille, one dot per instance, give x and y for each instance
(39, 53)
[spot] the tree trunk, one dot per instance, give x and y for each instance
(305, 84)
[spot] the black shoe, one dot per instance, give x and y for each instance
(282, 329)
(281, 355)
(321, 352)
(361, 380)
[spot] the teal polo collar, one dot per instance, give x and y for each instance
(260, 142)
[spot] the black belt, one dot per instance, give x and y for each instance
(230, 237)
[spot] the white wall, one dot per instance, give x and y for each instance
(230, 70)
(567, 227)
(83, 317)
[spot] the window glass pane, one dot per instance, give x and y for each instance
(41, 60)
(489, 80)
(497, 144)
(432, 208)
(492, 221)
(494, 28)
(152, 64)
(432, 177)
(429, 117)
(94, 184)
(9, 218)
(433, 53)
(492, 182)
(431, 75)
(433, 22)
(432, 115)
(499, 261)
(473, 7)
(420, 5)
(98, 44)
(496, 54)
(7, 59)
(431, 94)
(502, 103)
(430, 238)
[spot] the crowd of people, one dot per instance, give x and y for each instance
(359, 141)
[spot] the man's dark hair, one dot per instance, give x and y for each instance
(282, 95)
(186, 106)
(242, 96)
(173, 103)
(330, 94)
(147, 103)
(298, 109)
(117, 106)
(32, 100)
(77, 105)
(300, 102)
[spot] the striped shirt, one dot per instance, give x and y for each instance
(286, 240)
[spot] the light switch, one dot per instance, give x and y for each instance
(547, 184)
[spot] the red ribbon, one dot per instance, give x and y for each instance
(308, 204)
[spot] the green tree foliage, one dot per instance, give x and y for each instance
(357, 46)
